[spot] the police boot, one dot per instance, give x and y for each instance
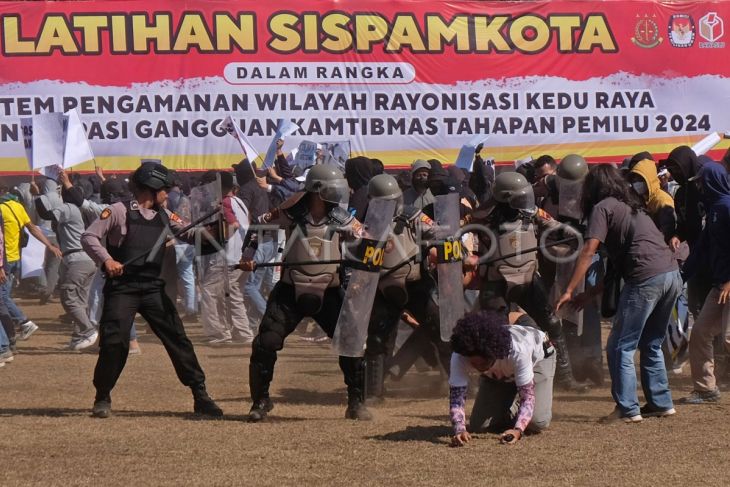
(203, 405)
(354, 371)
(102, 406)
(259, 384)
(375, 376)
(563, 372)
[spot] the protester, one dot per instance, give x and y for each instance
(711, 252)
(178, 203)
(77, 268)
(515, 362)
(358, 172)
(659, 205)
(15, 222)
(419, 195)
(223, 311)
(652, 284)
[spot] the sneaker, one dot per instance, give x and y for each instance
(85, 343)
(616, 417)
(649, 411)
(220, 341)
(27, 329)
(702, 397)
(260, 410)
(135, 351)
(102, 408)
(6, 356)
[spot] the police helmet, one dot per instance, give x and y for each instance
(507, 183)
(573, 167)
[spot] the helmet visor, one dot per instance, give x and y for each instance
(335, 191)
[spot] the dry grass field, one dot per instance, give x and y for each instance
(47, 436)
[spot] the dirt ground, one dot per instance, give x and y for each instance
(47, 436)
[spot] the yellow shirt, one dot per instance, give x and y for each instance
(14, 219)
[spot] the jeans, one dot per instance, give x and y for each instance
(265, 252)
(641, 322)
(4, 341)
(11, 268)
(185, 255)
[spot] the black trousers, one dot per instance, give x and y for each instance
(423, 306)
(123, 298)
(532, 297)
(280, 319)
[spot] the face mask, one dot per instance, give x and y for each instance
(420, 181)
(641, 188)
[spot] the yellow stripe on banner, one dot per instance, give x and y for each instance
(605, 150)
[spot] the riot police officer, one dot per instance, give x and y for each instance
(316, 225)
(404, 286)
(516, 225)
(134, 232)
(582, 328)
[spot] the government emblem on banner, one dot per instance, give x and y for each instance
(681, 30)
(646, 32)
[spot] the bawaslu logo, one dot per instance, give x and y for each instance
(712, 28)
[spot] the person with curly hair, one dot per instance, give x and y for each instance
(516, 362)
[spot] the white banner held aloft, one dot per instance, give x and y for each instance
(49, 140)
(77, 149)
(26, 125)
(305, 153)
(465, 159)
(705, 145)
(335, 153)
(284, 129)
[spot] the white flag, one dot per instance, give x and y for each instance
(77, 150)
(234, 129)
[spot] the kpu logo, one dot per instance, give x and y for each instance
(681, 30)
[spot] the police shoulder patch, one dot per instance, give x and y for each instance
(543, 214)
(105, 214)
(175, 218)
(425, 219)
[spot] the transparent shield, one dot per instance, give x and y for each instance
(449, 267)
(569, 198)
(365, 256)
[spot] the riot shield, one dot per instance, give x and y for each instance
(449, 263)
(569, 198)
(563, 273)
(365, 257)
(204, 199)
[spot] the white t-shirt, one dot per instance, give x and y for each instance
(527, 350)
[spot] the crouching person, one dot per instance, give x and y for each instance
(516, 363)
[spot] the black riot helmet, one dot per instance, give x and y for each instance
(152, 176)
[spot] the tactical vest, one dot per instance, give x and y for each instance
(512, 237)
(137, 251)
(401, 253)
(307, 242)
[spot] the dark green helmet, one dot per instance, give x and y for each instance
(384, 187)
(573, 167)
(327, 180)
(507, 184)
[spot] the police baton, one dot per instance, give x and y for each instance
(292, 264)
(174, 235)
(527, 251)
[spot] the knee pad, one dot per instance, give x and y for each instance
(270, 341)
